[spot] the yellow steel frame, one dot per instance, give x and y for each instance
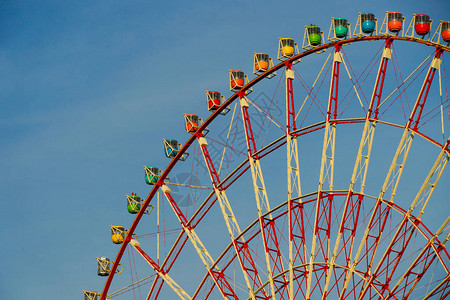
(326, 171)
(436, 38)
(447, 278)
(359, 169)
(424, 195)
(444, 281)
(427, 189)
(262, 200)
(293, 184)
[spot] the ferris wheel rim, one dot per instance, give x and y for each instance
(225, 104)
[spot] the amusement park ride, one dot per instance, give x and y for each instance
(324, 244)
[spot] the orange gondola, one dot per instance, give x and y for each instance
(395, 21)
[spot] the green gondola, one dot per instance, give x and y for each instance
(314, 35)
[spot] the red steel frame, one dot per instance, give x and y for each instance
(179, 244)
(271, 246)
(379, 83)
(295, 207)
(322, 222)
(245, 258)
(352, 208)
(221, 282)
(291, 125)
(334, 88)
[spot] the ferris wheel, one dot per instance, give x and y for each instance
(323, 177)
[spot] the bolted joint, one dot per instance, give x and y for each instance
(202, 141)
(288, 65)
(290, 74)
(135, 243)
(165, 189)
(337, 46)
(241, 94)
(244, 103)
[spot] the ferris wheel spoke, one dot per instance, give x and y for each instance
(297, 244)
(227, 139)
(322, 220)
(271, 247)
(206, 287)
(246, 261)
(435, 173)
(266, 114)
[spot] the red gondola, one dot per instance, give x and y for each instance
(422, 24)
(445, 31)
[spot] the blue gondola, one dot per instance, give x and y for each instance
(171, 148)
(367, 22)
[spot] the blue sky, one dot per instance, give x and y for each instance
(90, 88)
